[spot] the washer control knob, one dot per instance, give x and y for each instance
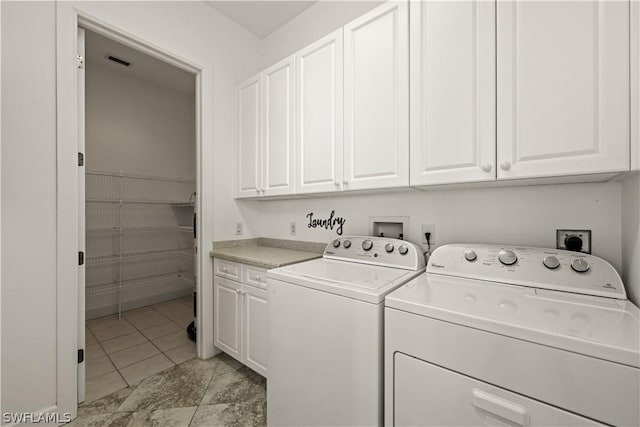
(336, 243)
(367, 245)
(507, 257)
(580, 265)
(346, 244)
(388, 247)
(403, 250)
(470, 255)
(551, 262)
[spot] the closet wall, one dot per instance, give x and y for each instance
(140, 180)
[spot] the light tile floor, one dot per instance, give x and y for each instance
(122, 352)
(198, 393)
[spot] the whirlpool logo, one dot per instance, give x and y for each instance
(434, 265)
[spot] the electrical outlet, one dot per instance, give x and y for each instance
(574, 240)
(429, 228)
(292, 229)
(239, 229)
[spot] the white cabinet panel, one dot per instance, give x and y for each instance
(563, 88)
(255, 329)
(228, 318)
(319, 94)
(453, 136)
(635, 85)
(376, 99)
(278, 82)
(248, 137)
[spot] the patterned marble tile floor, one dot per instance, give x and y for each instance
(199, 393)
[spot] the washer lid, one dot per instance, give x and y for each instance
(605, 328)
(361, 281)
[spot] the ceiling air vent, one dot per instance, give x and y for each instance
(118, 60)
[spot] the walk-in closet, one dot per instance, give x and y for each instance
(140, 199)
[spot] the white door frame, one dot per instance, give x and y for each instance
(69, 19)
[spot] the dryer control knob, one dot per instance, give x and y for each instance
(346, 244)
(403, 250)
(470, 255)
(389, 247)
(580, 265)
(336, 243)
(507, 257)
(367, 245)
(551, 262)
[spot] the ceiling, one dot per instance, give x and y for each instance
(143, 66)
(261, 17)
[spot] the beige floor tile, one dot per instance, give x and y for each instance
(104, 385)
(173, 340)
(95, 368)
(94, 352)
(134, 354)
(181, 318)
(168, 306)
(89, 339)
(123, 342)
(102, 320)
(110, 330)
(160, 330)
(135, 373)
(182, 353)
(147, 319)
(174, 417)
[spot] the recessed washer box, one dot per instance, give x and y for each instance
(395, 227)
(574, 240)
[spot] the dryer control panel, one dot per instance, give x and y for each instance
(376, 251)
(554, 269)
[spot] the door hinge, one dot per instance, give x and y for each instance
(81, 355)
(80, 61)
(80, 159)
(80, 258)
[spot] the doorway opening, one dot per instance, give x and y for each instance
(137, 214)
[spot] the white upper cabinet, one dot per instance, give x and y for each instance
(319, 90)
(563, 88)
(278, 85)
(248, 134)
(453, 92)
(376, 99)
(635, 85)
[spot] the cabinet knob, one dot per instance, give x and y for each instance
(345, 182)
(262, 189)
(337, 183)
(487, 167)
(258, 278)
(505, 166)
(225, 269)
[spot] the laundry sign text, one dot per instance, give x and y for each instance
(328, 223)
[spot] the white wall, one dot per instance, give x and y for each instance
(129, 119)
(514, 215)
(631, 237)
(192, 30)
(28, 206)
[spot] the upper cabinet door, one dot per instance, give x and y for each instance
(319, 93)
(278, 83)
(453, 108)
(563, 88)
(248, 137)
(376, 99)
(635, 85)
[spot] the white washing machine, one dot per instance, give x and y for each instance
(325, 334)
(512, 336)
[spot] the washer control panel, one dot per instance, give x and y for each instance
(376, 250)
(526, 266)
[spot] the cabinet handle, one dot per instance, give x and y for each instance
(225, 269)
(258, 278)
(345, 182)
(337, 183)
(505, 166)
(487, 167)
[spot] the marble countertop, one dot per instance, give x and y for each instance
(267, 253)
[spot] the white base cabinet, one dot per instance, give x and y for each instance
(240, 304)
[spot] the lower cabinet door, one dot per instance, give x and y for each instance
(428, 395)
(255, 329)
(227, 329)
